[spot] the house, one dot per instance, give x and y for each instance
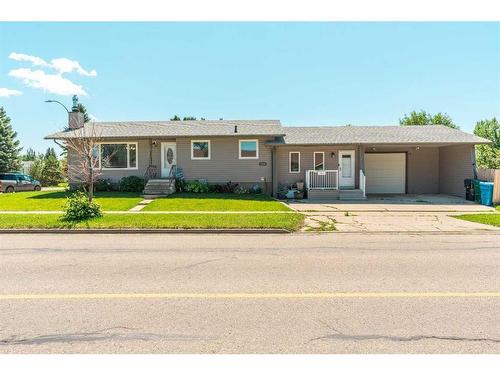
(333, 161)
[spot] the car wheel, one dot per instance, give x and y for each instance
(10, 189)
(38, 188)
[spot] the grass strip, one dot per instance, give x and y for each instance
(489, 219)
(291, 221)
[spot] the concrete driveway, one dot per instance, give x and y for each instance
(397, 213)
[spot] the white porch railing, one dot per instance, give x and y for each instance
(322, 180)
(362, 182)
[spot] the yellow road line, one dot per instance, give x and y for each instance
(324, 295)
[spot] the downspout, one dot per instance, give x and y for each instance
(473, 159)
(274, 172)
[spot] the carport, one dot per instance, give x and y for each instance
(417, 169)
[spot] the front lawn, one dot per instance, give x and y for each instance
(216, 202)
(290, 221)
(55, 200)
(490, 219)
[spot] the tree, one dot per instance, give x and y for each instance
(83, 145)
(50, 153)
(424, 118)
(10, 159)
(175, 118)
(82, 109)
(51, 170)
(488, 156)
(189, 118)
(30, 155)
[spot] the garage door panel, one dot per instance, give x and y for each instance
(385, 173)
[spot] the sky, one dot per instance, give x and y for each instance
(332, 73)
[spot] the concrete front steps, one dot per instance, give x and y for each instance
(343, 195)
(159, 188)
(351, 195)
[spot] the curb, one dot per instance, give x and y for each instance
(428, 232)
(145, 230)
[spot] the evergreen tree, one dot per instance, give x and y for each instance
(10, 159)
(50, 153)
(30, 155)
(51, 170)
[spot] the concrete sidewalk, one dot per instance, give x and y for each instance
(392, 222)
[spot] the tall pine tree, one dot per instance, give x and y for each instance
(10, 158)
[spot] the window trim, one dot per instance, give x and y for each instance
(256, 149)
(314, 160)
(290, 161)
(209, 149)
(129, 168)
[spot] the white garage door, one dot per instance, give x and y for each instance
(385, 173)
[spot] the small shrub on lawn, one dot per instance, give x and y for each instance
(78, 208)
(132, 184)
(196, 187)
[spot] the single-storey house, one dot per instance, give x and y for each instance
(332, 161)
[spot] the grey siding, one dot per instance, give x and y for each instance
(306, 161)
(224, 164)
(455, 165)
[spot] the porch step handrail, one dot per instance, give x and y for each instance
(322, 180)
(362, 182)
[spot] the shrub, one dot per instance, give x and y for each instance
(105, 185)
(132, 184)
(256, 189)
(227, 188)
(196, 187)
(79, 208)
(241, 190)
(180, 185)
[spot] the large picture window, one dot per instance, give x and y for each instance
(200, 150)
(249, 149)
(117, 155)
(294, 162)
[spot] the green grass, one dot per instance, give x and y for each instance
(290, 221)
(55, 201)
(216, 202)
(490, 219)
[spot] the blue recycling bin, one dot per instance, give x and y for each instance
(486, 193)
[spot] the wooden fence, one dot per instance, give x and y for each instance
(492, 175)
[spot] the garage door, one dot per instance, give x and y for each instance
(385, 173)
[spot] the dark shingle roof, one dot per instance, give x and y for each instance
(376, 135)
(146, 129)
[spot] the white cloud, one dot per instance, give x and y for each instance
(50, 82)
(36, 61)
(64, 65)
(5, 92)
(53, 83)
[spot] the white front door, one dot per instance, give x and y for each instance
(346, 169)
(168, 158)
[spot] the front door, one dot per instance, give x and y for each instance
(168, 158)
(346, 169)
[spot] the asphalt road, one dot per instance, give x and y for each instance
(301, 293)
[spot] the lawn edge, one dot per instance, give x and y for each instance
(146, 230)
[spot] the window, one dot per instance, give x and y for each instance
(319, 161)
(116, 156)
(294, 162)
(249, 149)
(200, 150)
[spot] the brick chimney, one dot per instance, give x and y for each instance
(75, 118)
